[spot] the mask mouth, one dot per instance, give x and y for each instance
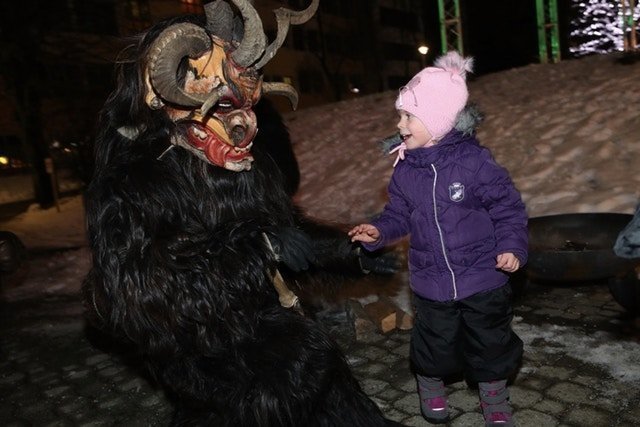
(217, 150)
(405, 137)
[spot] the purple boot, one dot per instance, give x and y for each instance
(494, 401)
(433, 399)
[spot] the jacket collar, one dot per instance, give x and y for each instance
(436, 154)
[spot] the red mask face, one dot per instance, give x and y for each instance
(223, 128)
(214, 97)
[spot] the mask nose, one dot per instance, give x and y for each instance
(237, 134)
(240, 127)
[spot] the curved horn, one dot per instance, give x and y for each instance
(168, 50)
(286, 17)
(283, 89)
(253, 41)
(219, 19)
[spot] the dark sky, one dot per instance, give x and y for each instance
(499, 34)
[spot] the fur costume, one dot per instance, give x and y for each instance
(190, 223)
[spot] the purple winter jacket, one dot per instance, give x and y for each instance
(461, 210)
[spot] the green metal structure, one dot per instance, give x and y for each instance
(450, 25)
(547, 20)
(629, 25)
(548, 33)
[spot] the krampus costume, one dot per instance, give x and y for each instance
(190, 225)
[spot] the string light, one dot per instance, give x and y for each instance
(599, 27)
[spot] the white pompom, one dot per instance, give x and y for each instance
(454, 62)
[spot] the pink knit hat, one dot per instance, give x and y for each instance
(437, 94)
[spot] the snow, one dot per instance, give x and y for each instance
(569, 133)
(42, 229)
(620, 358)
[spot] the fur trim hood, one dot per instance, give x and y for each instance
(467, 121)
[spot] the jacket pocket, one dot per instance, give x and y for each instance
(420, 260)
(469, 255)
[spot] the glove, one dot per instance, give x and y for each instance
(292, 246)
(385, 263)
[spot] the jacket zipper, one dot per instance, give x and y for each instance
(444, 252)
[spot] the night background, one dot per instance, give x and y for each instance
(502, 34)
(566, 128)
(57, 61)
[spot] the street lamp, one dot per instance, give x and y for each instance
(423, 50)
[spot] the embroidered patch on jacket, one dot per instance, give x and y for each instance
(456, 192)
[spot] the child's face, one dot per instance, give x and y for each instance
(413, 132)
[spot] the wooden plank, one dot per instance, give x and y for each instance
(383, 314)
(404, 320)
(361, 323)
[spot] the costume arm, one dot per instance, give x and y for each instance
(505, 206)
(335, 253)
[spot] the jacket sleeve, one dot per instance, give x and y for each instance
(502, 200)
(393, 222)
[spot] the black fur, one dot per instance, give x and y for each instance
(181, 271)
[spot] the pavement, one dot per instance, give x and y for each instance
(56, 372)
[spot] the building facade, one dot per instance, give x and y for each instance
(348, 49)
(58, 56)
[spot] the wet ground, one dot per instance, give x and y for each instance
(582, 351)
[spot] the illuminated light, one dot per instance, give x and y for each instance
(4, 161)
(354, 90)
(423, 50)
(599, 27)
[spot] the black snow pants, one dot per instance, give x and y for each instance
(471, 336)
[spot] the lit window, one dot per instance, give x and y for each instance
(139, 16)
(192, 6)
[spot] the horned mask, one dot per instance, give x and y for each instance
(222, 80)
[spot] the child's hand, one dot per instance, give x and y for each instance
(507, 262)
(364, 233)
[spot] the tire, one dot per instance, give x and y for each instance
(626, 291)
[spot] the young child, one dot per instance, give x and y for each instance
(468, 229)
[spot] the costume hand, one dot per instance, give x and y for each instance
(366, 233)
(378, 263)
(293, 247)
(507, 262)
